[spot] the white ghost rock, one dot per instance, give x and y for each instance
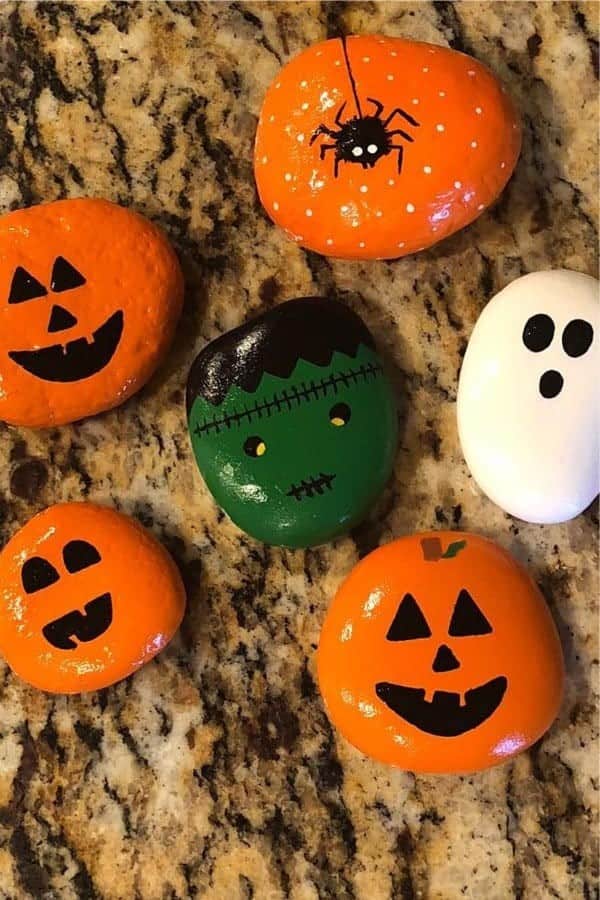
(528, 411)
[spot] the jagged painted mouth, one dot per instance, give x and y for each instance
(75, 360)
(85, 627)
(443, 715)
(311, 487)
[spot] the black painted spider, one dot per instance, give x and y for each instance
(363, 139)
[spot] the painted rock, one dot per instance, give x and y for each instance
(87, 596)
(293, 422)
(439, 654)
(373, 147)
(528, 412)
(92, 294)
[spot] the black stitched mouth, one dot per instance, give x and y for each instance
(443, 715)
(309, 487)
(75, 360)
(88, 627)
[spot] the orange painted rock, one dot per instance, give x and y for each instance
(92, 294)
(87, 596)
(373, 147)
(439, 654)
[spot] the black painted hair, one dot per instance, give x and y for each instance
(309, 328)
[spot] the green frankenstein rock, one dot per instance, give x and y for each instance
(293, 422)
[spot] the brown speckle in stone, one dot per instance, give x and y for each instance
(28, 479)
(534, 42)
(269, 290)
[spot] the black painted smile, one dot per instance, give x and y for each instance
(88, 627)
(443, 715)
(308, 487)
(75, 360)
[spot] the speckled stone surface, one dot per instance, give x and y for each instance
(214, 773)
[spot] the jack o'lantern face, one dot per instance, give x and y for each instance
(75, 359)
(38, 573)
(87, 596)
(89, 297)
(448, 714)
(429, 652)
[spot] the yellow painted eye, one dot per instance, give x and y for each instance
(339, 414)
(255, 446)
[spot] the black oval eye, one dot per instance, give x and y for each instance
(37, 573)
(65, 277)
(577, 337)
(78, 555)
(538, 332)
(255, 446)
(409, 622)
(339, 414)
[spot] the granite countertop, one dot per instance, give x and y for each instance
(214, 772)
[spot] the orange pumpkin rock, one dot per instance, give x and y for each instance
(439, 654)
(91, 297)
(373, 147)
(87, 596)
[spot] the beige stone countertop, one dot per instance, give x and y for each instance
(213, 772)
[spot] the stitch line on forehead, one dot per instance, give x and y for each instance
(283, 401)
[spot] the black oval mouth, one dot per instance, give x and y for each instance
(443, 716)
(75, 360)
(85, 627)
(551, 384)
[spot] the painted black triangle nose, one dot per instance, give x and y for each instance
(61, 319)
(445, 660)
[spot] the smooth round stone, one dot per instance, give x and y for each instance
(439, 654)
(87, 596)
(293, 422)
(374, 147)
(92, 294)
(528, 413)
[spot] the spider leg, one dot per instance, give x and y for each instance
(400, 112)
(325, 148)
(403, 133)
(378, 105)
(322, 129)
(400, 150)
(336, 166)
(338, 114)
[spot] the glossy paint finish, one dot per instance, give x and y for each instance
(373, 184)
(528, 402)
(90, 294)
(439, 654)
(298, 457)
(87, 596)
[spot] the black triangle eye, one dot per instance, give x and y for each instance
(78, 555)
(409, 622)
(467, 618)
(65, 277)
(25, 287)
(37, 573)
